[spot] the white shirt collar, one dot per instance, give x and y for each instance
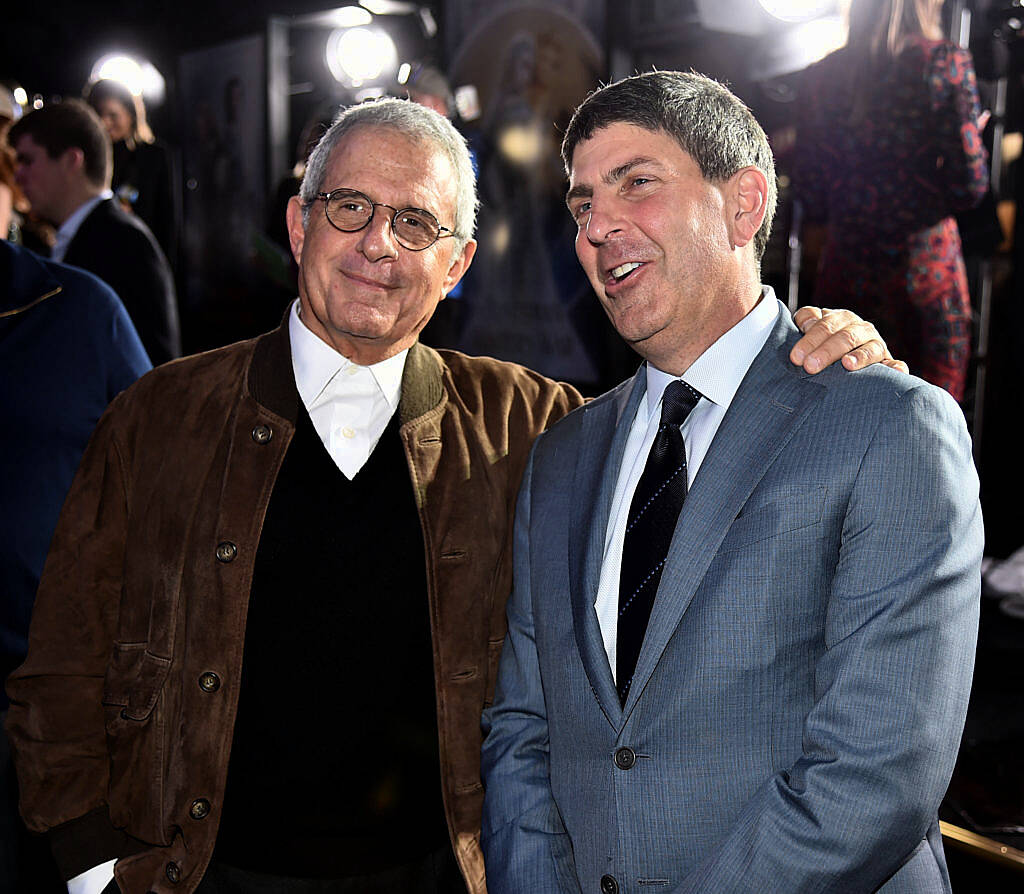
(316, 365)
(717, 372)
(66, 231)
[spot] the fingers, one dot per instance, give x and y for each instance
(872, 351)
(832, 334)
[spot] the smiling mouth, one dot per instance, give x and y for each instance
(366, 281)
(618, 274)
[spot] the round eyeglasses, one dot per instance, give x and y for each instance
(350, 211)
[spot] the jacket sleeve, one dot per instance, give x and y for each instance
(954, 90)
(525, 845)
(892, 686)
(56, 718)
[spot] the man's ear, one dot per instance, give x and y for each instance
(73, 159)
(458, 269)
(296, 231)
(749, 193)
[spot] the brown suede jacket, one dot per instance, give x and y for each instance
(122, 716)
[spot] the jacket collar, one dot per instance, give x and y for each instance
(25, 280)
(271, 380)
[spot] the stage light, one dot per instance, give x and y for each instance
(350, 17)
(141, 78)
(389, 7)
(20, 96)
(797, 10)
(358, 55)
(813, 41)
(404, 70)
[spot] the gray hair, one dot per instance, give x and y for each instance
(708, 121)
(416, 122)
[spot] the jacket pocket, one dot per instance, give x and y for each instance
(778, 511)
(134, 679)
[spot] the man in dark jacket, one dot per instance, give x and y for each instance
(64, 167)
(67, 348)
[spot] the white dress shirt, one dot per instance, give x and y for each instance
(716, 374)
(349, 405)
(66, 231)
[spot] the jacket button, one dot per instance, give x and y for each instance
(226, 551)
(200, 809)
(609, 885)
(261, 434)
(209, 681)
(625, 758)
(173, 873)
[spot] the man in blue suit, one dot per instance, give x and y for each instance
(742, 633)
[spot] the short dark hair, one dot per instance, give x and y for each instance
(69, 125)
(708, 121)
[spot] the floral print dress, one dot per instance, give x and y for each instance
(887, 186)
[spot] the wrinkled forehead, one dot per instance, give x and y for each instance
(612, 151)
(390, 165)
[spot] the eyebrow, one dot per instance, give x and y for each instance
(609, 178)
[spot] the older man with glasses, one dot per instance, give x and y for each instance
(275, 601)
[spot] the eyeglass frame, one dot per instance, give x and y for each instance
(443, 232)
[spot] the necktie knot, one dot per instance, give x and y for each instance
(678, 401)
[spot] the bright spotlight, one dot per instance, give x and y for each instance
(357, 55)
(404, 70)
(141, 78)
(20, 96)
(351, 17)
(797, 10)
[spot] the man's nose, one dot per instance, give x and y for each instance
(378, 241)
(602, 224)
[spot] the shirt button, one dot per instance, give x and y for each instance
(352, 370)
(348, 432)
(200, 809)
(173, 873)
(609, 885)
(209, 681)
(226, 551)
(625, 758)
(261, 434)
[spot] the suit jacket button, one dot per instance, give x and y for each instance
(209, 681)
(609, 885)
(261, 434)
(173, 873)
(625, 758)
(226, 551)
(200, 809)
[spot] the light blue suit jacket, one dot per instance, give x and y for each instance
(800, 694)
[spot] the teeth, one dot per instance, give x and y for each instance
(623, 269)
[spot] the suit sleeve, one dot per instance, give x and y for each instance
(56, 719)
(892, 686)
(525, 845)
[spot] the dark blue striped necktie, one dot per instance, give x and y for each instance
(652, 519)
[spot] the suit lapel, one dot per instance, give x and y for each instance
(604, 430)
(769, 406)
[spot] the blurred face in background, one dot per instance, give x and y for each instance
(45, 181)
(116, 119)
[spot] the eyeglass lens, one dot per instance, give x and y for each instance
(414, 228)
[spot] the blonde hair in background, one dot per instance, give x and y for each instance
(881, 27)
